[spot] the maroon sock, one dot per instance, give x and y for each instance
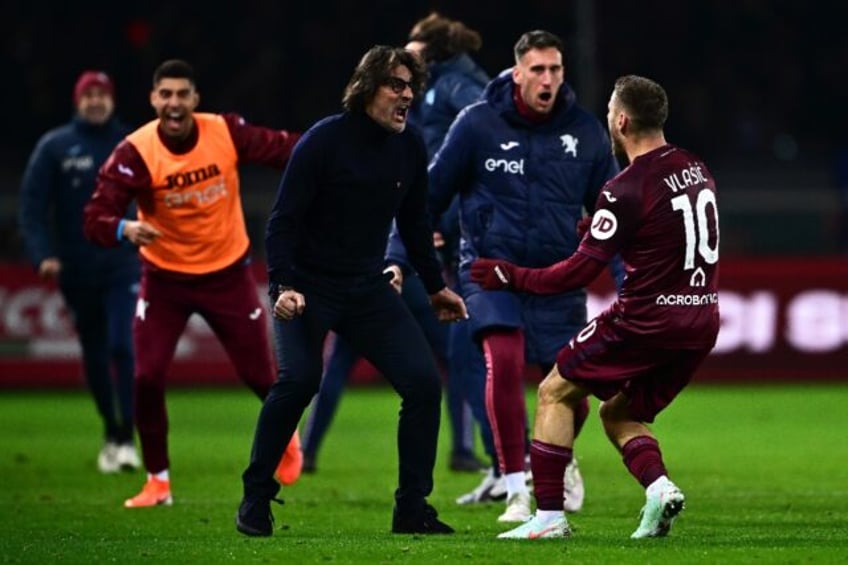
(151, 419)
(580, 415)
(548, 463)
(643, 459)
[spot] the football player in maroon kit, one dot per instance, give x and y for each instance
(661, 215)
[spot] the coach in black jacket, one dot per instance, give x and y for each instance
(348, 177)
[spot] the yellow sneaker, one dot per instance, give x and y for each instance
(154, 493)
(291, 465)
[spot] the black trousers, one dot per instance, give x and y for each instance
(376, 323)
(102, 317)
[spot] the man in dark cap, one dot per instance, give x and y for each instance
(99, 285)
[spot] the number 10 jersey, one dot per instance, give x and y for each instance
(661, 215)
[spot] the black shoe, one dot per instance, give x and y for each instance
(425, 521)
(466, 462)
(254, 516)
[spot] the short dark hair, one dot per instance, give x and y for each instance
(174, 68)
(536, 39)
(374, 68)
(444, 38)
(644, 101)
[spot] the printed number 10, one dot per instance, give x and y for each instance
(702, 237)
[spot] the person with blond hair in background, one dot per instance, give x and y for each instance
(454, 81)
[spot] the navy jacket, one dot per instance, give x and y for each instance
(346, 180)
(57, 184)
(451, 86)
(522, 188)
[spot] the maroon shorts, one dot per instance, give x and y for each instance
(227, 300)
(603, 362)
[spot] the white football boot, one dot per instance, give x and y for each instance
(517, 508)
(574, 491)
(540, 528)
(128, 457)
(107, 459)
(490, 489)
(663, 502)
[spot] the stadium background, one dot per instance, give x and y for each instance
(757, 88)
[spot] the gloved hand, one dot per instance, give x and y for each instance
(495, 274)
(583, 226)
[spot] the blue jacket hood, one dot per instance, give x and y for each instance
(461, 64)
(452, 85)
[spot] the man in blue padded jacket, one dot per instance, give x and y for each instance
(526, 161)
(99, 286)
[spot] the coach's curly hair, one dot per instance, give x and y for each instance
(444, 38)
(373, 70)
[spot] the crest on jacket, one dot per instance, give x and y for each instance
(569, 144)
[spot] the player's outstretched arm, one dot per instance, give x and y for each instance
(575, 272)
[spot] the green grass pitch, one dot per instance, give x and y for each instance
(764, 469)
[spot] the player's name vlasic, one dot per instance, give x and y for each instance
(684, 178)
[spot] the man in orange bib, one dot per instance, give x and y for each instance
(182, 171)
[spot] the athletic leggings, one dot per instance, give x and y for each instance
(505, 367)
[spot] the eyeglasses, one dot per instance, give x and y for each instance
(398, 85)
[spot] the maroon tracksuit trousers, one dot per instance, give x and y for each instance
(229, 303)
